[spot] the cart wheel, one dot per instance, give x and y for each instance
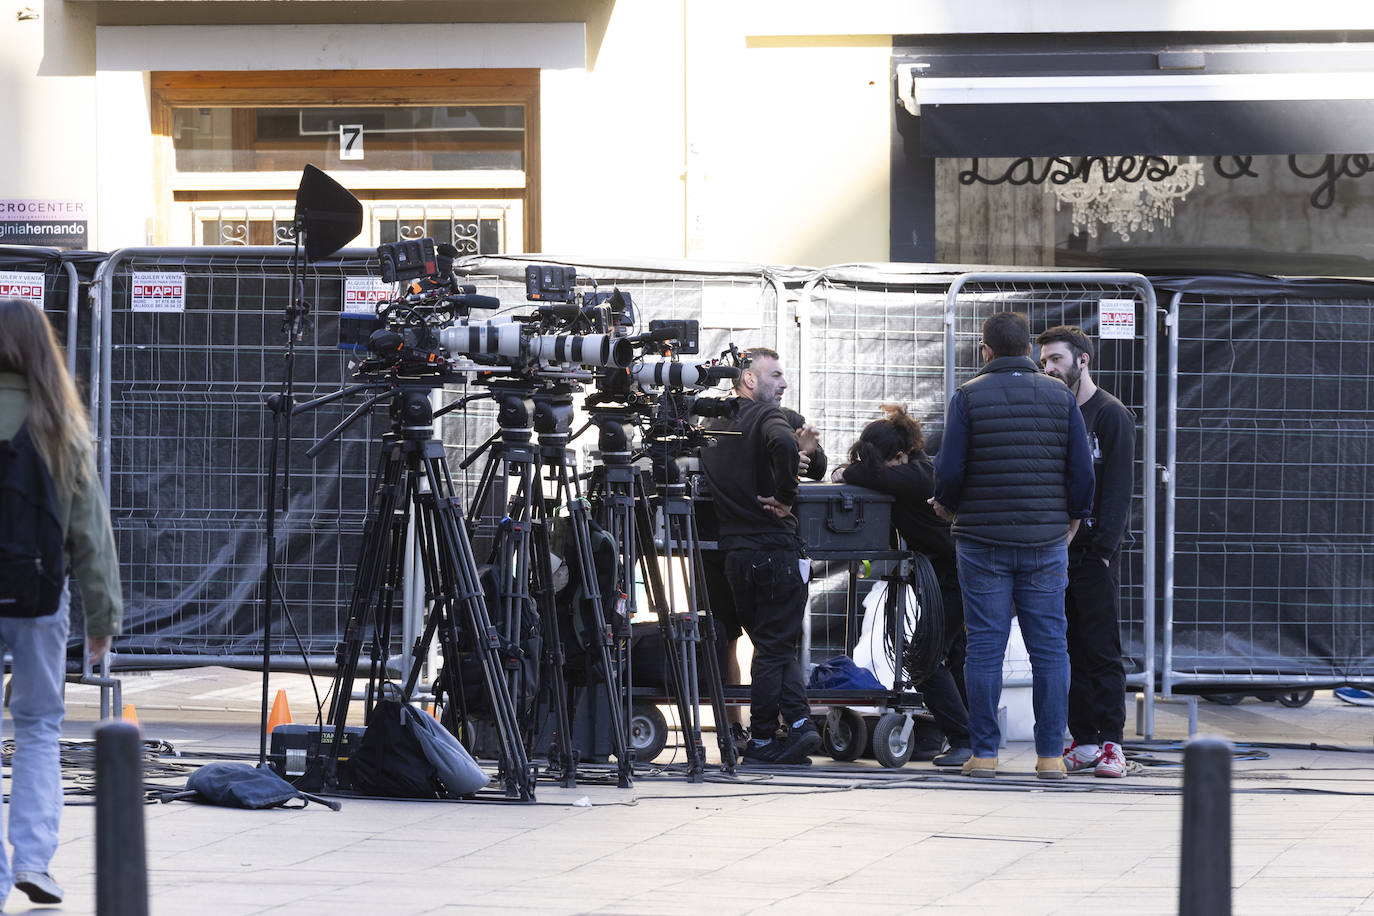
(1294, 699)
(1224, 699)
(845, 734)
(648, 732)
(888, 747)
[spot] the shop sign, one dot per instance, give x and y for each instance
(43, 223)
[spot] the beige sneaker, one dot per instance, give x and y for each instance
(985, 767)
(1050, 767)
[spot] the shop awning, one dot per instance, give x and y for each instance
(1190, 113)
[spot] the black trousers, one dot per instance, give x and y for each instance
(943, 691)
(1097, 689)
(770, 601)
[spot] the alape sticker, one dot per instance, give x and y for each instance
(361, 295)
(1116, 319)
(16, 284)
(158, 292)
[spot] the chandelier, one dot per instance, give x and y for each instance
(1126, 205)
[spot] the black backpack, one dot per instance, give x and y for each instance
(33, 563)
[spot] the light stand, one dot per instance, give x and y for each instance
(327, 217)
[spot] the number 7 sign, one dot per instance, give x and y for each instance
(350, 141)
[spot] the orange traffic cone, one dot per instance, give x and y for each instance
(130, 714)
(281, 712)
(434, 711)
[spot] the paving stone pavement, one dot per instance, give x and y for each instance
(834, 838)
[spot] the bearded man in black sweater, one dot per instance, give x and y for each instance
(1097, 686)
(752, 468)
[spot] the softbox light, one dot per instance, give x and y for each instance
(328, 215)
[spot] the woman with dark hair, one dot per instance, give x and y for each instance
(39, 405)
(890, 457)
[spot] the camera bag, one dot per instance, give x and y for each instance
(33, 564)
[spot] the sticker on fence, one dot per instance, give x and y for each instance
(18, 284)
(158, 292)
(361, 295)
(1116, 319)
(731, 307)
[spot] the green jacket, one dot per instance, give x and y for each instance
(85, 525)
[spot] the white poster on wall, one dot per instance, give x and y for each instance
(361, 295)
(18, 284)
(158, 292)
(731, 306)
(1116, 319)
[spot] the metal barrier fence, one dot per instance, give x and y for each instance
(1269, 532)
(1118, 312)
(1265, 534)
(185, 433)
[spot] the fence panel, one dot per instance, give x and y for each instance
(1124, 366)
(870, 336)
(1272, 558)
(188, 435)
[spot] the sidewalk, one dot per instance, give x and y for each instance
(829, 839)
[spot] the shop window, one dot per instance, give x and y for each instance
(450, 154)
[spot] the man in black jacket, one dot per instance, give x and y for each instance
(752, 469)
(1097, 691)
(764, 382)
(1014, 475)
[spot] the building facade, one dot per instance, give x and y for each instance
(1184, 135)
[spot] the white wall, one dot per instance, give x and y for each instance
(47, 103)
(612, 141)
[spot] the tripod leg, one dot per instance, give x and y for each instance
(612, 662)
(681, 667)
(715, 684)
(376, 566)
(461, 583)
(554, 679)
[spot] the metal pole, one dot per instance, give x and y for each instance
(121, 854)
(1204, 885)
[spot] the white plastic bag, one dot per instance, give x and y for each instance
(869, 651)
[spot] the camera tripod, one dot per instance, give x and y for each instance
(627, 507)
(522, 552)
(413, 482)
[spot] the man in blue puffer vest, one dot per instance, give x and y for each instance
(1014, 475)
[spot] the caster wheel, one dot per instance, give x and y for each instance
(1224, 699)
(845, 734)
(888, 746)
(648, 732)
(1295, 699)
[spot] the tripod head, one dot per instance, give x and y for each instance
(412, 414)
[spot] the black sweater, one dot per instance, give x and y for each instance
(754, 454)
(1111, 436)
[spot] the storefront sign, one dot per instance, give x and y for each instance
(158, 292)
(1116, 319)
(43, 223)
(1324, 170)
(361, 295)
(16, 284)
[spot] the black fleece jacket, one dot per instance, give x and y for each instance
(754, 454)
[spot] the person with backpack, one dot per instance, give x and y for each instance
(53, 516)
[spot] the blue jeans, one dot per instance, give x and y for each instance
(38, 647)
(1028, 582)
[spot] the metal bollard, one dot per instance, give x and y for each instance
(121, 853)
(1204, 886)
